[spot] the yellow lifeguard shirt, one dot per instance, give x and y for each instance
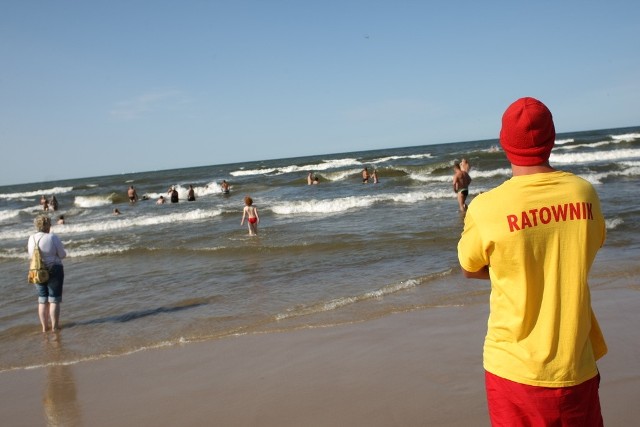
(539, 235)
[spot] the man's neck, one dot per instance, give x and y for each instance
(530, 170)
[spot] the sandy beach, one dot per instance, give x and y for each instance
(420, 368)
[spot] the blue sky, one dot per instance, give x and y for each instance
(108, 87)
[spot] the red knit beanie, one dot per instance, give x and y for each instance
(527, 135)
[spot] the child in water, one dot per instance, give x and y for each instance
(251, 212)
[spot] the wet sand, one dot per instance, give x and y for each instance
(408, 369)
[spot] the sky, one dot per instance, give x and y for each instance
(99, 88)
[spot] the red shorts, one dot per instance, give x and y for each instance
(253, 220)
(515, 404)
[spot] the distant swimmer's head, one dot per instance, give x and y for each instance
(528, 134)
(42, 223)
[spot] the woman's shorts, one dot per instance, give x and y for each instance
(52, 290)
(515, 404)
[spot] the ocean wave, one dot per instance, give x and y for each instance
(630, 163)
(94, 201)
(340, 175)
(118, 223)
(96, 357)
(103, 249)
(492, 173)
(427, 176)
(595, 178)
(5, 215)
(564, 141)
(332, 206)
(325, 165)
(9, 214)
(627, 137)
(99, 200)
(632, 170)
(390, 158)
(596, 156)
(98, 251)
(613, 223)
(337, 303)
(36, 193)
(249, 172)
(590, 145)
(322, 206)
(199, 191)
(615, 139)
(493, 149)
(14, 253)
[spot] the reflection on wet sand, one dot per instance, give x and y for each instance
(59, 395)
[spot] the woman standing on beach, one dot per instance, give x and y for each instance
(251, 212)
(50, 293)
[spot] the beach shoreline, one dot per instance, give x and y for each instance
(417, 368)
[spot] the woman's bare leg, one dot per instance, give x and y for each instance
(54, 314)
(44, 315)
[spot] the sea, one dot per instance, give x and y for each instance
(328, 254)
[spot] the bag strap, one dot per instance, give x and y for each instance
(37, 244)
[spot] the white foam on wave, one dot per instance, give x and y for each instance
(390, 158)
(96, 251)
(596, 156)
(612, 223)
(493, 149)
(322, 206)
(93, 201)
(591, 145)
(121, 222)
(252, 172)
(37, 193)
(427, 177)
(15, 253)
(12, 213)
(5, 215)
(338, 303)
(332, 206)
(96, 357)
(325, 165)
(183, 191)
(117, 223)
(104, 249)
(632, 169)
(627, 137)
(595, 178)
(341, 175)
(631, 163)
(475, 173)
(563, 141)
(616, 139)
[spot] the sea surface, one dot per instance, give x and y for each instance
(337, 252)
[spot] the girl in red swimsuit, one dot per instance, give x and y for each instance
(251, 213)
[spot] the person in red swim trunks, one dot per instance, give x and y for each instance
(543, 339)
(251, 213)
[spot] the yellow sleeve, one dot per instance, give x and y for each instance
(471, 254)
